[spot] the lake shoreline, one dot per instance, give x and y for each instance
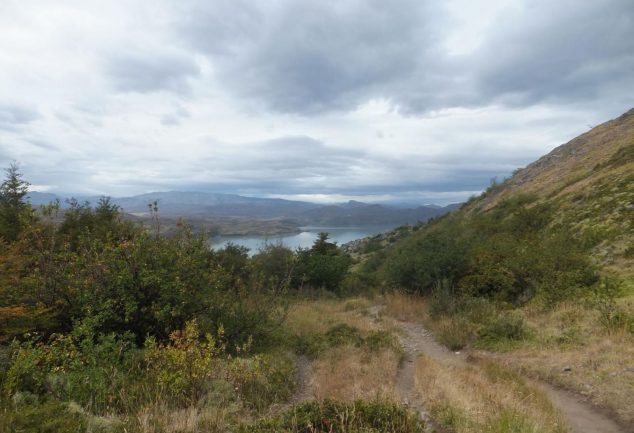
(304, 238)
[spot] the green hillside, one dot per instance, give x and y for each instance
(554, 227)
(589, 182)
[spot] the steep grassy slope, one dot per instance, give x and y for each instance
(589, 181)
(575, 203)
(539, 268)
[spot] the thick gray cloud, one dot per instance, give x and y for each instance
(150, 72)
(324, 99)
(558, 51)
(314, 56)
(298, 162)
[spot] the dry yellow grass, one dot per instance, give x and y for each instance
(598, 371)
(318, 316)
(160, 419)
(486, 398)
(405, 307)
(573, 351)
(347, 372)
(568, 337)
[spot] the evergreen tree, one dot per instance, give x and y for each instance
(14, 210)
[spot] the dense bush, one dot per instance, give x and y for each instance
(100, 375)
(97, 270)
(419, 262)
(324, 265)
(110, 375)
(511, 253)
(115, 318)
(275, 266)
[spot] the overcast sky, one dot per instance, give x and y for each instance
(321, 100)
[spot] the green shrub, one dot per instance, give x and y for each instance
(379, 340)
(185, 366)
(419, 262)
(371, 246)
(274, 266)
(341, 417)
(506, 326)
(48, 417)
(324, 265)
(343, 334)
(511, 253)
(263, 379)
(603, 298)
(444, 299)
(309, 345)
(100, 374)
(356, 284)
(456, 332)
(616, 320)
(339, 334)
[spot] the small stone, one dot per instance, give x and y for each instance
(629, 369)
(457, 353)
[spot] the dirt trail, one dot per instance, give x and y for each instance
(581, 417)
(303, 390)
(416, 340)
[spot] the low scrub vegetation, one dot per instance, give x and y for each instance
(110, 326)
(331, 416)
(513, 253)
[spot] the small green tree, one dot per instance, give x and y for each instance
(15, 212)
(324, 265)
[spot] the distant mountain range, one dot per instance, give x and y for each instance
(201, 206)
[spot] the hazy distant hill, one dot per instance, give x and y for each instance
(353, 212)
(222, 211)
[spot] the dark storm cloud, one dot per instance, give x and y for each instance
(12, 116)
(150, 72)
(315, 56)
